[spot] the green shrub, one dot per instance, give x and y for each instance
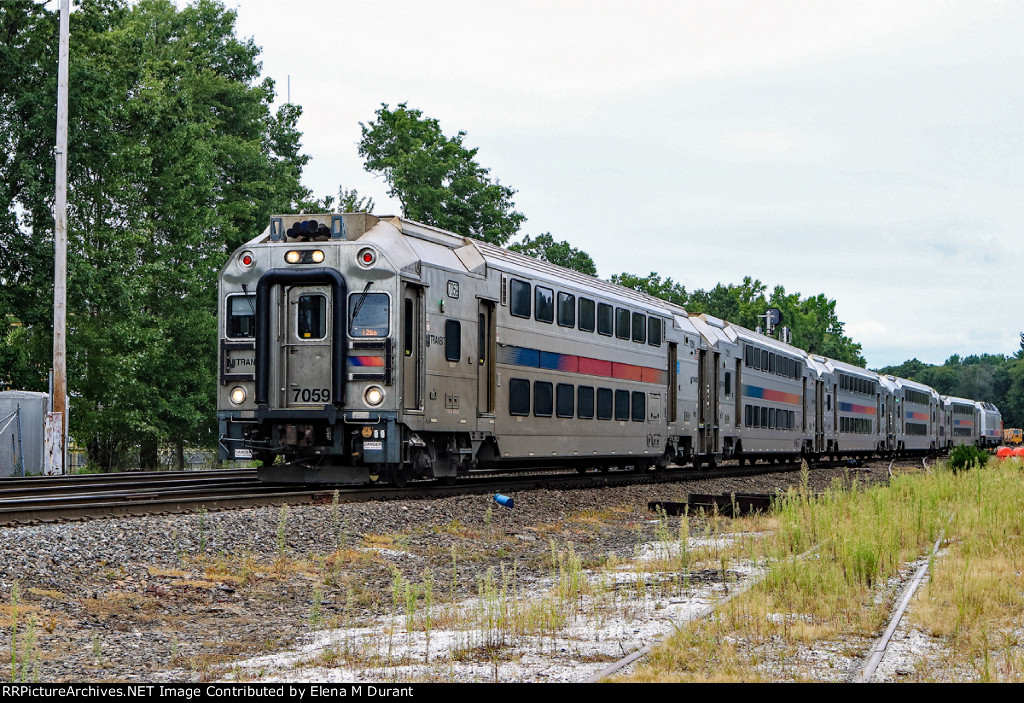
(966, 456)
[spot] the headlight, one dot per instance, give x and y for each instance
(237, 395)
(374, 396)
(306, 256)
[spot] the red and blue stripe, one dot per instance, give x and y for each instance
(857, 409)
(570, 363)
(771, 395)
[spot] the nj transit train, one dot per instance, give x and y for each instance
(361, 348)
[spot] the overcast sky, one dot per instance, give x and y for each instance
(870, 151)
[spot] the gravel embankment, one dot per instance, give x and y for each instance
(123, 599)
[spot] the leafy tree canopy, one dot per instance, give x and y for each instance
(437, 178)
(992, 378)
(175, 159)
(813, 320)
(545, 248)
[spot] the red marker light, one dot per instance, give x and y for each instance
(366, 257)
(247, 260)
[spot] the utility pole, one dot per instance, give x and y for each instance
(57, 423)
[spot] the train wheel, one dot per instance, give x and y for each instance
(400, 477)
(446, 480)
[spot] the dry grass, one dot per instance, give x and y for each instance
(844, 590)
(974, 600)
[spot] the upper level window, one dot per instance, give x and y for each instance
(368, 314)
(567, 309)
(519, 298)
(605, 317)
(654, 331)
(242, 316)
(622, 323)
(639, 327)
(587, 314)
(545, 310)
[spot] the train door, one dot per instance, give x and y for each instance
(308, 341)
(819, 417)
(835, 410)
(673, 381)
(707, 407)
(486, 342)
(890, 429)
(412, 347)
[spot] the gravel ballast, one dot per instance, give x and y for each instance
(185, 597)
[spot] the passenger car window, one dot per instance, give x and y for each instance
(545, 301)
(585, 403)
(518, 396)
(587, 314)
(564, 398)
(621, 405)
(639, 406)
(604, 319)
(604, 403)
(654, 331)
(519, 298)
(639, 327)
(567, 309)
(622, 323)
(542, 398)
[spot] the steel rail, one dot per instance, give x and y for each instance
(162, 492)
(882, 644)
(701, 614)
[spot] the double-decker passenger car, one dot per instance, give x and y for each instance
(359, 348)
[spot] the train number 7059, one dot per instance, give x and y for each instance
(311, 395)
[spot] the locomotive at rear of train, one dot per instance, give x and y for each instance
(359, 349)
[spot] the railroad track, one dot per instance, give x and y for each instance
(55, 499)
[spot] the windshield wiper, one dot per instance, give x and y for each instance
(362, 299)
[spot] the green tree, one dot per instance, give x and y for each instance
(654, 284)
(813, 321)
(545, 248)
(175, 160)
(436, 178)
(351, 201)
